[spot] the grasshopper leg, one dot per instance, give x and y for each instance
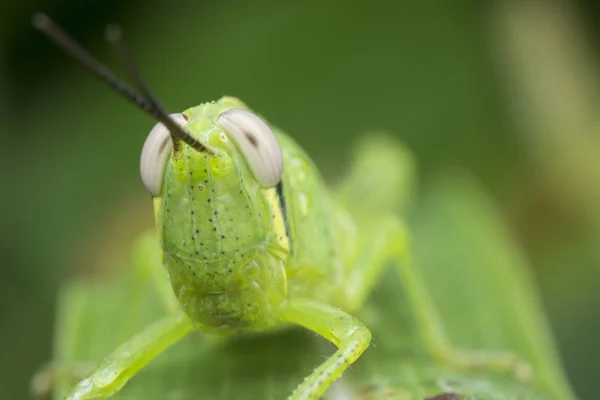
(148, 269)
(385, 238)
(429, 322)
(379, 183)
(350, 336)
(115, 370)
(391, 242)
(148, 262)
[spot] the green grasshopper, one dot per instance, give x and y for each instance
(253, 241)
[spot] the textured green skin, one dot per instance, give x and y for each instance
(227, 257)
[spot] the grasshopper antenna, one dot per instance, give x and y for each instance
(147, 102)
(114, 35)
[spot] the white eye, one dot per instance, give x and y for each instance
(257, 143)
(155, 154)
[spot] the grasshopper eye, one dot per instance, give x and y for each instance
(257, 144)
(155, 154)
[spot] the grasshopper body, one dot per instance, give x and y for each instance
(252, 240)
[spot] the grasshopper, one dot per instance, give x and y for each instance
(252, 240)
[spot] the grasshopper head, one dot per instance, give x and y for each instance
(212, 171)
(211, 203)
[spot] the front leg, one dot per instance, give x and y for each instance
(115, 370)
(346, 332)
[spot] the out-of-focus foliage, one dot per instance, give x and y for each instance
(475, 265)
(480, 279)
(324, 72)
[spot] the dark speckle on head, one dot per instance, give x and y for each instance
(185, 117)
(251, 138)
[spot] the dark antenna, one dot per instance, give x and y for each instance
(147, 102)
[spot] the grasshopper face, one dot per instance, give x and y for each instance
(218, 215)
(208, 205)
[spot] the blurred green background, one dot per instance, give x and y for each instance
(505, 90)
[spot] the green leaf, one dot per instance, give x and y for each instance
(476, 275)
(480, 280)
